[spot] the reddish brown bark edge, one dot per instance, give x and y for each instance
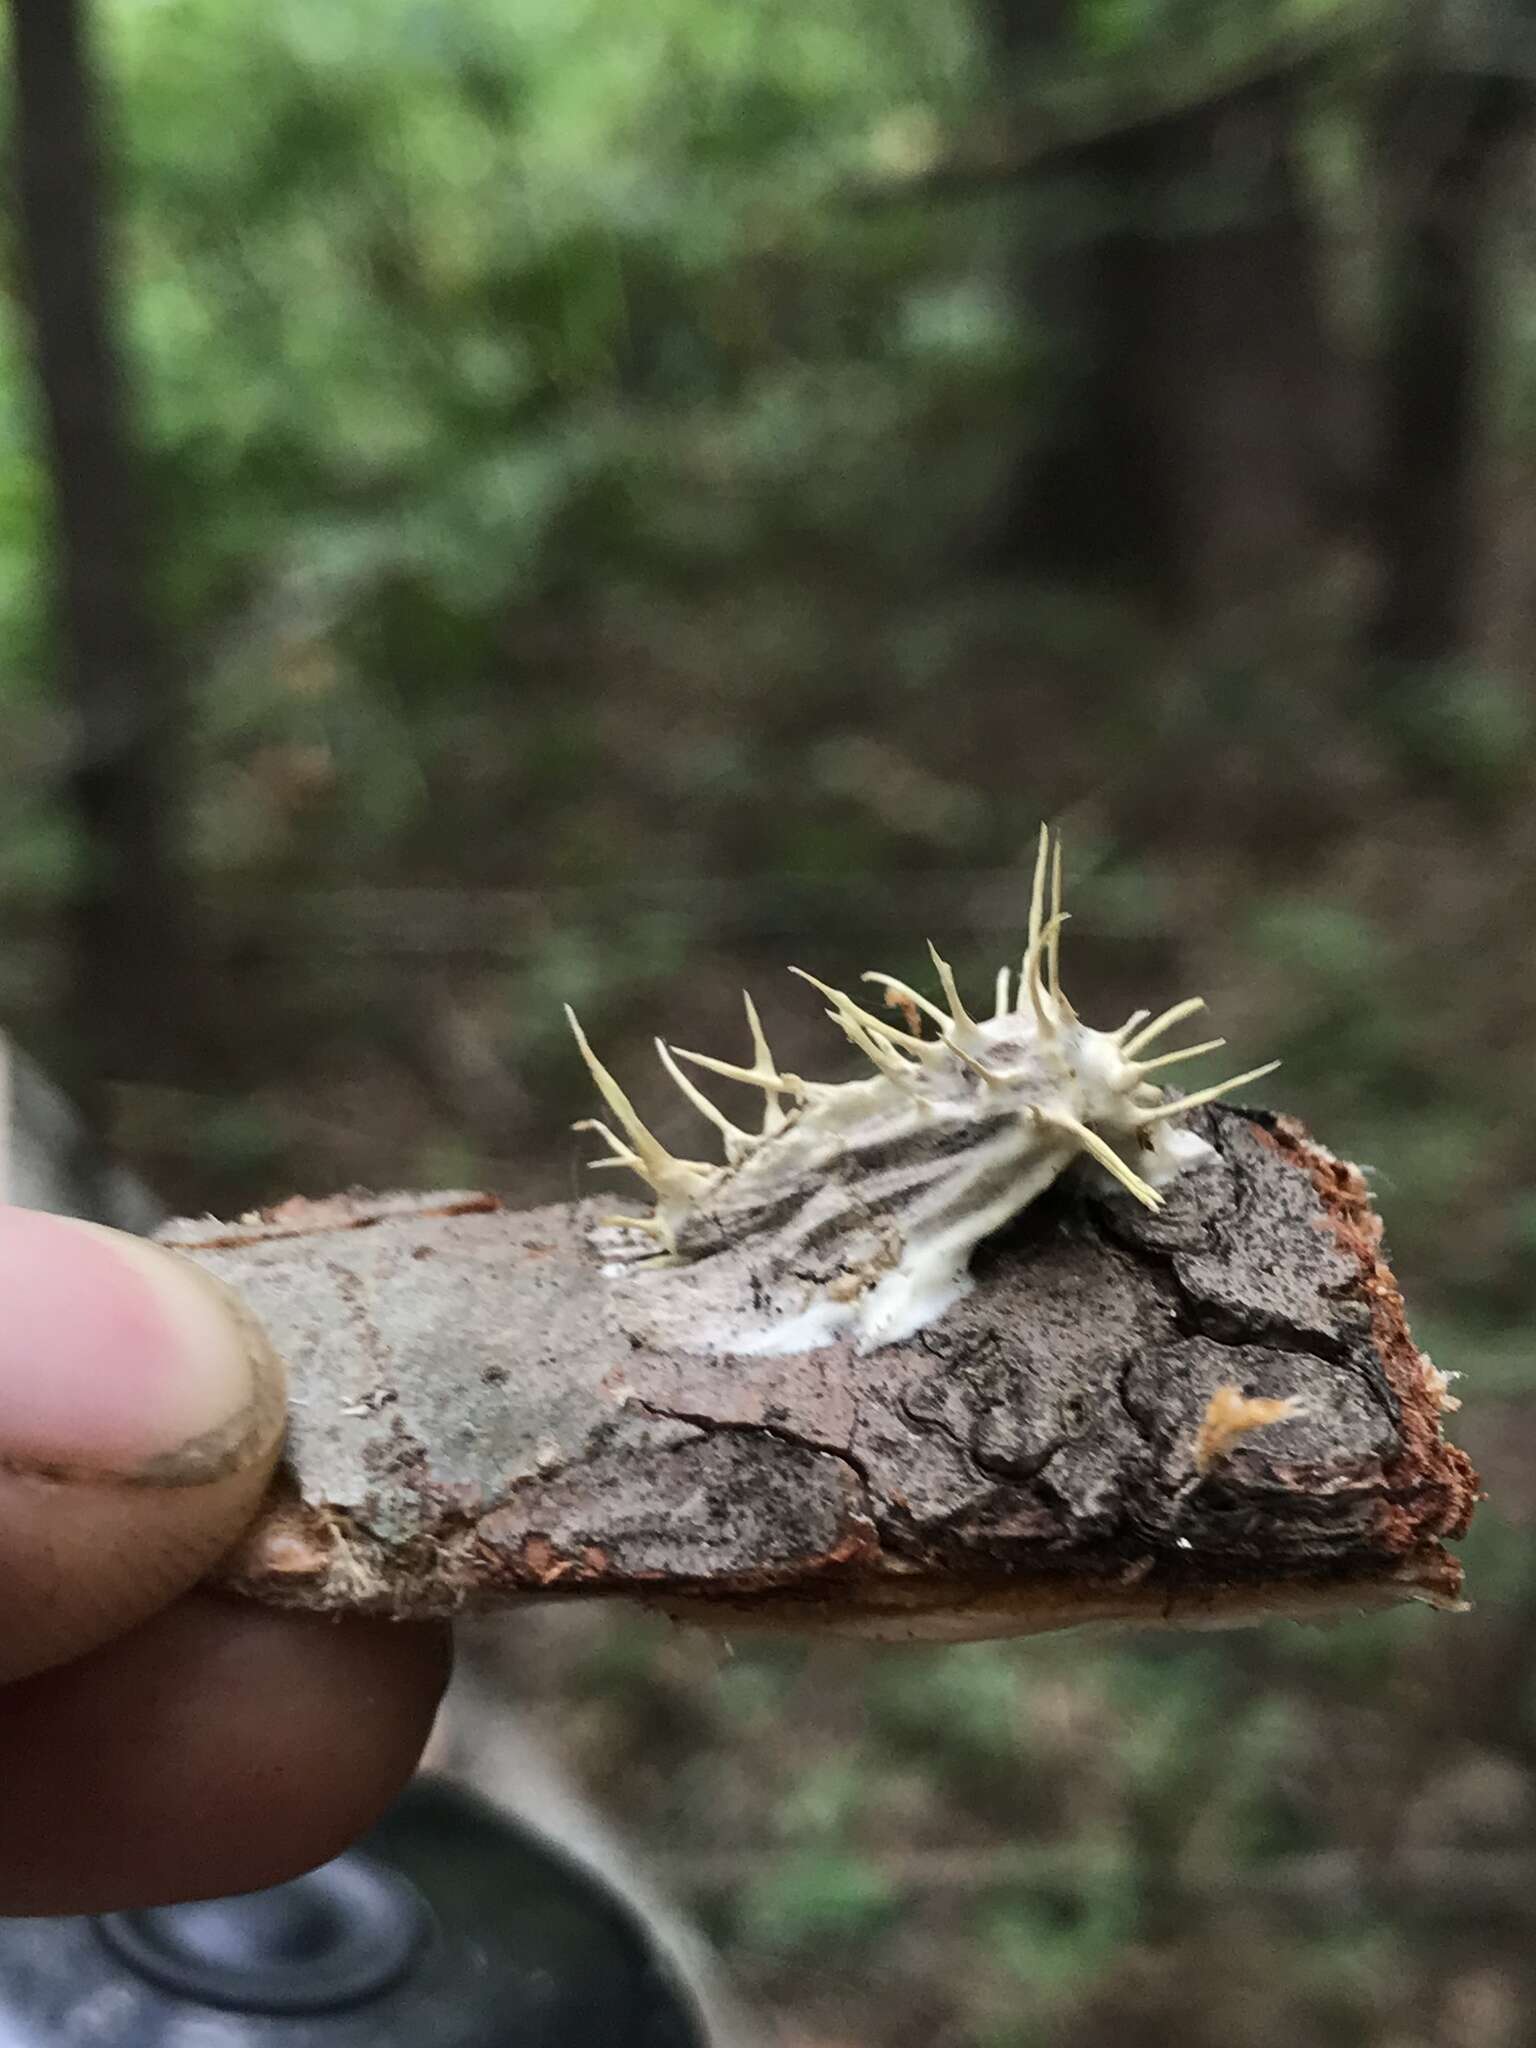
(473, 1427)
(1436, 1476)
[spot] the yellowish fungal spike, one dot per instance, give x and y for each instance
(652, 1160)
(909, 995)
(970, 1060)
(884, 1060)
(1203, 1095)
(880, 1057)
(1107, 1157)
(1037, 890)
(763, 1061)
(867, 1020)
(622, 1155)
(738, 1143)
(1044, 1018)
(960, 1018)
(1170, 1059)
(1058, 918)
(1165, 1022)
(751, 1077)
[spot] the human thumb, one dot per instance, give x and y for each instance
(141, 1410)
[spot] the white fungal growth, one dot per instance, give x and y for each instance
(852, 1211)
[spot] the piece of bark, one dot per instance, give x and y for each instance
(1199, 1416)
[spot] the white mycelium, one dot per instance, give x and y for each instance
(853, 1212)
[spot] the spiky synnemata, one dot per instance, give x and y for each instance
(853, 1211)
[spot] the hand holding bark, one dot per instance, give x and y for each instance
(156, 1742)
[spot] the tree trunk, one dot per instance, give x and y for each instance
(131, 992)
(1447, 159)
(1173, 271)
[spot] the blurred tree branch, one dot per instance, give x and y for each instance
(1048, 130)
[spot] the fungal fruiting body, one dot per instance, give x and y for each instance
(852, 1212)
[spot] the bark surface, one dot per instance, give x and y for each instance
(1199, 1416)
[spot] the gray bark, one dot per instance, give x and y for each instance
(473, 1424)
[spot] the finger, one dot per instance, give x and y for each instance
(141, 1410)
(218, 1748)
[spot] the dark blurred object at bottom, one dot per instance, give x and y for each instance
(448, 1926)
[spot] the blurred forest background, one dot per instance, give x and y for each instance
(511, 501)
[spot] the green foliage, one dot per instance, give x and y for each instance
(1471, 729)
(1056, 1941)
(421, 289)
(969, 1700)
(811, 1899)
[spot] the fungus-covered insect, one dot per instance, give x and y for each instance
(854, 1210)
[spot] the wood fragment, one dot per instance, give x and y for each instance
(1077, 1440)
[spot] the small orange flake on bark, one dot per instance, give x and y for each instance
(1229, 1415)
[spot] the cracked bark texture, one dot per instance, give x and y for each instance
(479, 1418)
